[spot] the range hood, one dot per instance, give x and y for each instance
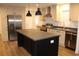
(48, 12)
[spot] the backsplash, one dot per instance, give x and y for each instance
(74, 24)
(57, 23)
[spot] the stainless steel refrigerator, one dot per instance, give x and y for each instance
(14, 23)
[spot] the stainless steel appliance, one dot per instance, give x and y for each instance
(14, 23)
(70, 40)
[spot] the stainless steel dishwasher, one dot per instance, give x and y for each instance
(70, 40)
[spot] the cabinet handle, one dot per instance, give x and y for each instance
(74, 34)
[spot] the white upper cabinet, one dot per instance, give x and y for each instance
(62, 12)
(74, 12)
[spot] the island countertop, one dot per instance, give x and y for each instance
(36, 34)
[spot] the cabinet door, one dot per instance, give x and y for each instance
(74, 12)
(73, 42)
(67, 40)
(62, 38)
(20, 41)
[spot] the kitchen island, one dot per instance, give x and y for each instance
(38, 43)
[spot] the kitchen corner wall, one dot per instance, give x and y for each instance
(4, 11)
(60, 16)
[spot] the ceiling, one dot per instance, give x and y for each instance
(41, 5)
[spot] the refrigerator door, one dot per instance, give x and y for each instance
(14, 23)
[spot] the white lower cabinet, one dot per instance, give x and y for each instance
(62, 38)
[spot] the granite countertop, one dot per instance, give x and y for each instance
(36, 34)
(73, 30)
(66, 29)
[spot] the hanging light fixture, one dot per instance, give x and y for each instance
(28, 13)
(38, 12)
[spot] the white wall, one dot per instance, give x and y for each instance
(77, 42)
(33, 21)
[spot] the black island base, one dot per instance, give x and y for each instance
(30, 40)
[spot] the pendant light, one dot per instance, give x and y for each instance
(28, 13)
(38, 12)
